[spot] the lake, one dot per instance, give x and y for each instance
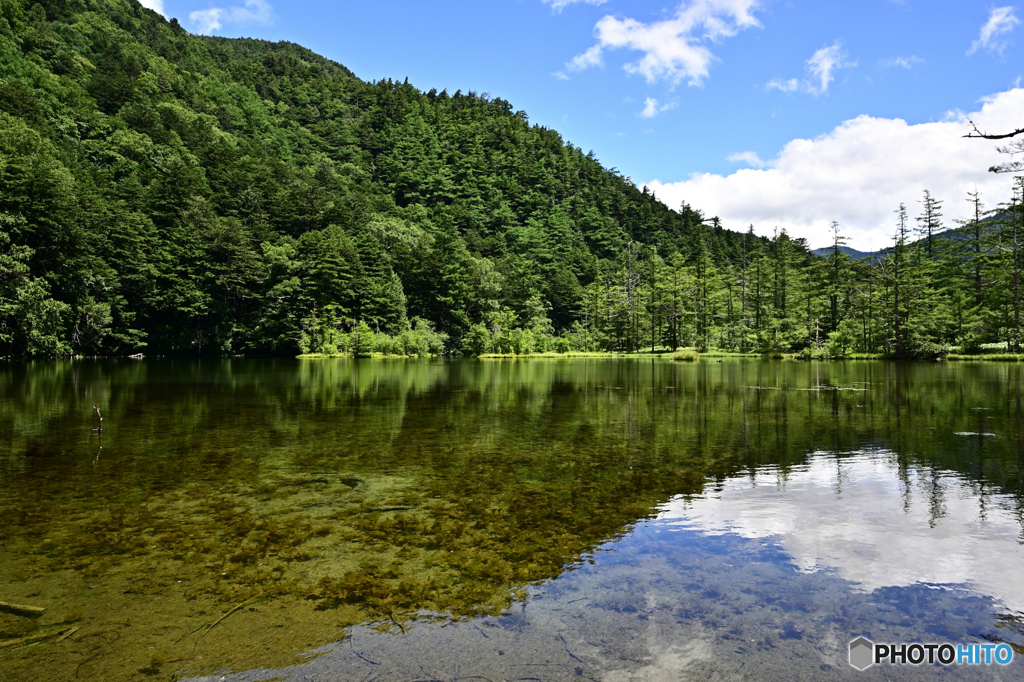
(583, 518)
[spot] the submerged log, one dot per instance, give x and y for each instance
(21, 609)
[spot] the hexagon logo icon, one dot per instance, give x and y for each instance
(862, 653)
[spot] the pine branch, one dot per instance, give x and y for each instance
(1011, 167)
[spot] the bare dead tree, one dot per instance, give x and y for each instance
(990, 136)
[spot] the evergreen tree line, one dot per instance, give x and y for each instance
(958, 289)
(170, 193)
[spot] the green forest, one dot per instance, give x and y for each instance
(167, 193)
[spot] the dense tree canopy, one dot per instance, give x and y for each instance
(172, 193)
(198, 194)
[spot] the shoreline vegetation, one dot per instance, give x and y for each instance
(682, 355)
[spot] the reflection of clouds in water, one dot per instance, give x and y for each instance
(854, 515)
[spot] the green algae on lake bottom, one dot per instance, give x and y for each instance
(303, 498)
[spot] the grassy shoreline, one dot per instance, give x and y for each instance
(987, 357)
(670, 355)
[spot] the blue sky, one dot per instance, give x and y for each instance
(779, 113)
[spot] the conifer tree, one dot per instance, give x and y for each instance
(897, 277)
(929, 222)
(703, 290)
(1011, 261)
(838, 267)
(975, 232)
(450, 268)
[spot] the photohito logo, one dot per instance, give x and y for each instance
(864, 653)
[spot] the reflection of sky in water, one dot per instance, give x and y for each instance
(858, 516)
(727, 586)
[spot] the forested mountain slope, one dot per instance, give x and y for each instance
(188, 194)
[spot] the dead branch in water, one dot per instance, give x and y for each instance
(30, 638)
(68, 633)
(216, 622)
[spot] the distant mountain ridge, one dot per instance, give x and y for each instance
(953, 234)
(826, 251)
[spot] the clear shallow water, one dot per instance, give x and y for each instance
(603, 519)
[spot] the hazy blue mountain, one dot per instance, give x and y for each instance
(825, 251)
(956, 234)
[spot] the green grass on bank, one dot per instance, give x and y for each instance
(552, 354)
(684, 355)
(335, 356)
(988, 357)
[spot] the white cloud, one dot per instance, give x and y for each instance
(559, 5)
(901, 62)
(560, 75)
(592, 57)
(792, 85)
(1001, 21)
(822, 64)
(673, 49)
(652, 108)
(254, 12)
(206, 21)
(750, 158)
(858, 174)
(155, 5)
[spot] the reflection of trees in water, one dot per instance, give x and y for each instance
(526, 451)
(730, 416)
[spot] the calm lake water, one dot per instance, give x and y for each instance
(604, 519)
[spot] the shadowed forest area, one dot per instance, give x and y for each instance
(178, 194)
